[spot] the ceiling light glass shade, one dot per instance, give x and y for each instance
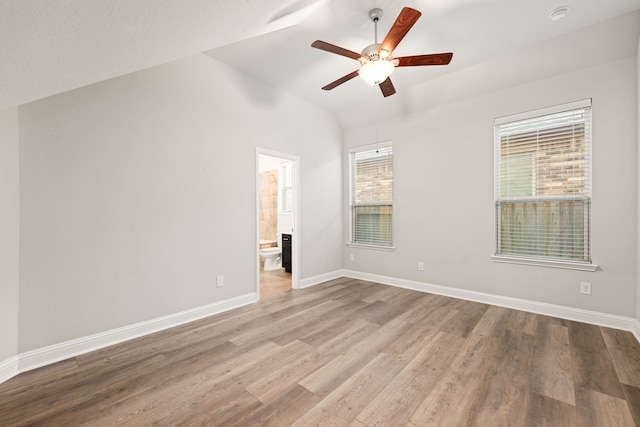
(375, 72)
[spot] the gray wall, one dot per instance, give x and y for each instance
(638, 199)
(9, 230)
(443, 183)
(138, 191)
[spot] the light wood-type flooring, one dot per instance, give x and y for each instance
(345, 353)
(274, 282)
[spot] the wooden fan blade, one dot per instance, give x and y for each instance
(387, 87)
(319, 44)
(341, 80)
(400, 28)
(418, 60)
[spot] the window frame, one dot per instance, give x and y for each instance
(527, 259)
(285, 189)
(366, 245)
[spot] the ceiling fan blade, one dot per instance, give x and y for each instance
(319, 44)
(418, 60)
(387, 87)
(400, 28)
(341, 80)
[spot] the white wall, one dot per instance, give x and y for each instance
(138, 191)
(638, 199)
(443, 183)
(9, 230)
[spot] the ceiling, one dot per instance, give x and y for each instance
(51, 46)
(48, 47)
(485, 36)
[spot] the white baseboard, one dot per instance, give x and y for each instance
(569, 313)
(55, 353)
(321, 278)
(8, 368)
(65, 350)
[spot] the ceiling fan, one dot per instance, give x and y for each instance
(376, 62)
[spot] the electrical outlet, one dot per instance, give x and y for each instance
(219, 281)
(585, 288)
(421, 266)
(352, 257)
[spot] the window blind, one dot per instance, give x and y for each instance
(543, 184)
(371, 173)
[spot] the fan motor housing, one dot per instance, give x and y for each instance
(371, 52)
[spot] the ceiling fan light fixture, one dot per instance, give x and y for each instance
(375, 72)
(376, 62)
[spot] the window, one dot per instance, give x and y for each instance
(371, 179)
(543, 185)
(286, 187)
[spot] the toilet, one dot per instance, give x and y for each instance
(272, 259)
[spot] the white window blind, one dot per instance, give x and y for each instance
(371, 173)
(543, 184)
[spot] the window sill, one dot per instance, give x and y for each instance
(582, 266)
(374, 247)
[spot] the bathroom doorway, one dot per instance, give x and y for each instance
(277, 231)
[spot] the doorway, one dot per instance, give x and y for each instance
(277, 230)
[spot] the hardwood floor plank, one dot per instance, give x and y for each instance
(56, 400)
(432, 315)
(592, 366)
(338, 370)
(382, 294)
(184, 382)
(404, 393)
(228, 384)
(499, 403)
(346, 353)
(333, 320)
(406, 298)
(349, 398)
(465, 319)
(599, 409)
(551, 374)
(449, 402)
(380, 312)
(503, 395)
(332, 327)
(625, 355)
(271, 385)
(515, 358)
(31, 380)
(274, 282)
(632, 395)
(284, 325)
(543, 411)
(412, 341)
(493, 322)
(284, 411)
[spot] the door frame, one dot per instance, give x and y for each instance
(297, 229)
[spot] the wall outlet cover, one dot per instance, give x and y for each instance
(585, 288)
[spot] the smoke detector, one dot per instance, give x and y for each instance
(559, 13)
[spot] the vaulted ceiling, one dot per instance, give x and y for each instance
(47, 47)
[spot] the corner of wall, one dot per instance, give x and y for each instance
(638, 193)
(9, 244)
